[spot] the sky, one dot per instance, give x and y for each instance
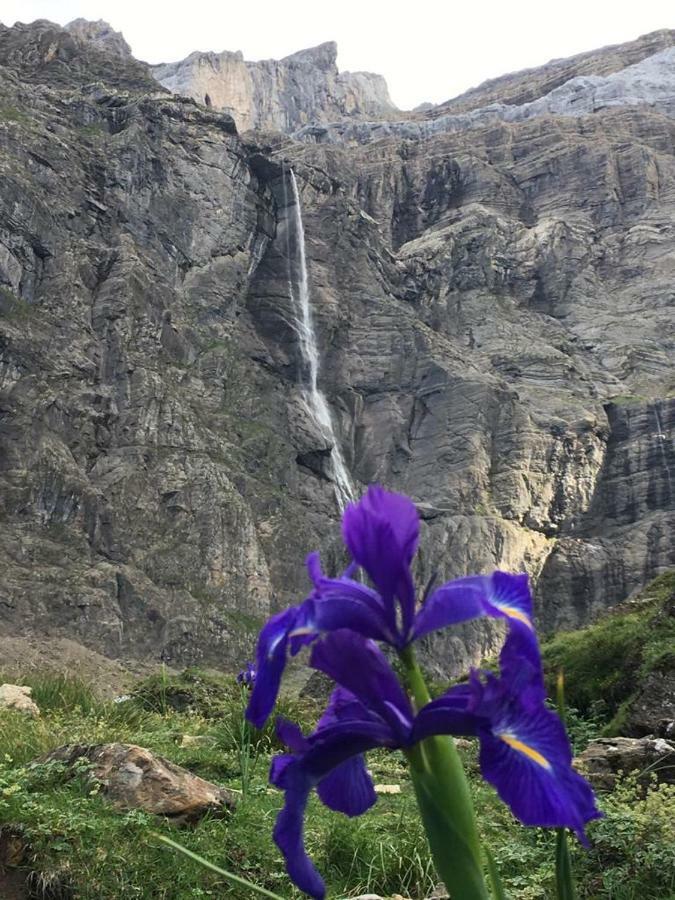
(428, 50)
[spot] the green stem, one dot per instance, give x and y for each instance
(243, 882)
(444, 801)
(564, 877)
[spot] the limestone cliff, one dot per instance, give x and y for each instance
(278, 95)
(494, 308)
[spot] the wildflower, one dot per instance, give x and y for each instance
(524, 751)
(247, 676)
(381, 532)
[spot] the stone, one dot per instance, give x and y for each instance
(387, 788)
(278, 95)
(652, 710)
(101, 34)
(440, 893)
(603, 760)
(132, 777)
(14, 696)
(195, 740)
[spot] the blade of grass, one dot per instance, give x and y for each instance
(495, 880)
(236, 879)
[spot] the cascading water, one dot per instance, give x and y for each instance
(298, 289)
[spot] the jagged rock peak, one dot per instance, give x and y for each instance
(43, 52)
(279, 95)
(100, 33)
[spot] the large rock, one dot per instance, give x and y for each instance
(605, 758)
(15, 696)
(134, 778)
(651, 711)
(278, 95)
(101, 34)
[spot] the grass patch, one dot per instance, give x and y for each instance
(628, 400)
(13, 114)
(12, 306)
(76, 837)
(605, 663)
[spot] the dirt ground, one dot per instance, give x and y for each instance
(22, 655)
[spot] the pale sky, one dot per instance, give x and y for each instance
(428, 50)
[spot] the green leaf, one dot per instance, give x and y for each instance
(497, 886)
(447, 814)
(236, 879)
(564, 879)
(444, 801)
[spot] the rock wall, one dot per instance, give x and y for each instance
(494, 309)
(278, 95)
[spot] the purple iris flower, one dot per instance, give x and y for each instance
(247, 676)
(524, 750)
(381, 532)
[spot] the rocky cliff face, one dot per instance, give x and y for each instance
(494, 310)
(278, 95)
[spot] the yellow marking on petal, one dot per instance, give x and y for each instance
(299, 632)
(530, 752)
(514, 613)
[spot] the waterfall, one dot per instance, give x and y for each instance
(313, 398)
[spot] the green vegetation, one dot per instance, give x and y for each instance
(629, 400)
(12, 306)
(77, 839)
(12, 114)
(605, 663)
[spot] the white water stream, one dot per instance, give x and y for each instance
(314, 399)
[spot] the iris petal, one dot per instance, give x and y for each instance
(325, 762)
(270, 664)
(454, 602)
(381, 532)
(289, 830)
(549, 794)
(361, 667)
(526, 756)
(343, 603)
(510, 595)
(348, 788)
(450, 714)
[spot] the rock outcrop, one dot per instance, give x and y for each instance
(18, 697)
(605, 760)
(132, 777)
(494, 315)
(101, 34)
(278, 95)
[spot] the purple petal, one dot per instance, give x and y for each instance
(313, 563)
(525, 754)
(348, 788)
(520, 666)
(270, 664)
(361, 667)
(278, 766)
(451, 603)
(381, 532)
(342, 706)
(288, 831)
(342, 603)
(290, 734)
(329, 750)
(509, 595)
(450, 714)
